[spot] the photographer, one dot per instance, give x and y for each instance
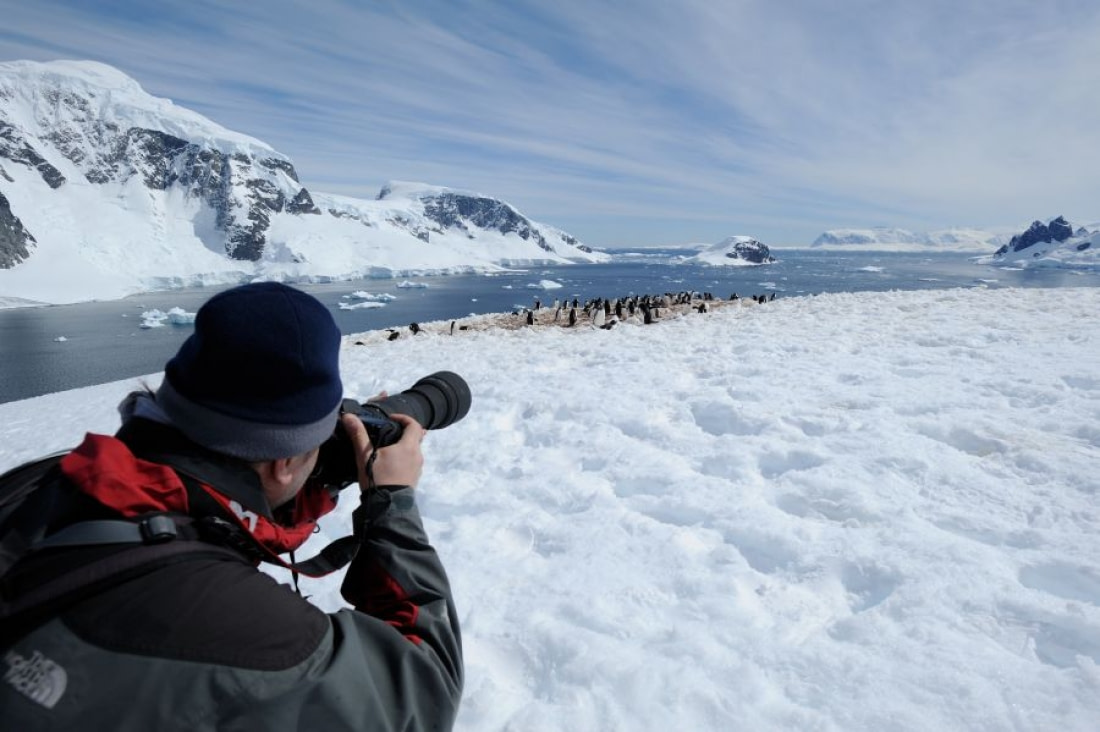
(215, 471)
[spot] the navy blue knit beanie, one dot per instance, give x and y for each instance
(259, 379)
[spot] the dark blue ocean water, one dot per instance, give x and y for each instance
(103, 341)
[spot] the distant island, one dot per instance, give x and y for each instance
(892, 239)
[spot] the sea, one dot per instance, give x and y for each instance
(56, 348)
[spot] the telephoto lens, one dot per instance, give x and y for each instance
(435, 401)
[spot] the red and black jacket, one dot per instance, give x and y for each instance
(212, 642)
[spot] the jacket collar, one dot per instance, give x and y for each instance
(151, 467)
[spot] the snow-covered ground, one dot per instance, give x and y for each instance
(867, 511)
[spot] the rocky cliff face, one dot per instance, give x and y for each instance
(15, 149)
(1058, 230)
(118, 191)
(243, 189)
(735, 250)
(15, 241)
(446, 210)
(751, 251)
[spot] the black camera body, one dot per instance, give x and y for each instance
(435, 401)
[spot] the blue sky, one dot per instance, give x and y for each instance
(644, 122)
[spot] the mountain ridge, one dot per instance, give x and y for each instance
(109, 191)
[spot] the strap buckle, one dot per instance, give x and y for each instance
(157, 529)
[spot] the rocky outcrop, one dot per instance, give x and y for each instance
(751, 250)
(1058, 230)
(15, 240)
(167, 177)
(15, 148)
(453, 210)
(243, 190)
(735, 251)
(303, 204)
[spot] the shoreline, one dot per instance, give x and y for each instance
(587, 318)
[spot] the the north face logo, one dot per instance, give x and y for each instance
(37, 677)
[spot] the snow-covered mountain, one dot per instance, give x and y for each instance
(1056, 243)
(734, 251)
(106, 190)
(890, 239)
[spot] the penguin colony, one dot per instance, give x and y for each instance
(602, 313)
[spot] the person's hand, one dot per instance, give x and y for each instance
(398, 464)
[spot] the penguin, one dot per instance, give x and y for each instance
(531, 315)
(452, 327)
(414, 327)
(572, 316)
(598, 319)
(393, 334)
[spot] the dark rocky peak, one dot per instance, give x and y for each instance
(453, 210)
(1058, 230)
(457, 210)
(15, 240)
(302, 204)
(751, 250)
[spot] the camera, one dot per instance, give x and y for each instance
(435, 401)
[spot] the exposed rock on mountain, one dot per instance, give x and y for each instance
(97, 129)
(1056, 231)
(450, 210)
(1051, 244)
(736, 250)
(15, 148)
(14, 239)
(111, 181)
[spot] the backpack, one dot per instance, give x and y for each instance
(23, 508)
(153, 540)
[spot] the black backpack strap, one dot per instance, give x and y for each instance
(49, 596)
(152, 529)
(24, 508)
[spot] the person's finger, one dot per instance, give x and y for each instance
(411, 428)
(360, 440)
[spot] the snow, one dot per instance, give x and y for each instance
(903, 240)
(1077, 252)
(366, 305)
(544, 285)
(847, 511)
(382, 297)
(99, 241)
(158, 318)
(725, 253)
(117, 99)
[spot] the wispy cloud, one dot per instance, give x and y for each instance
(640, 122)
